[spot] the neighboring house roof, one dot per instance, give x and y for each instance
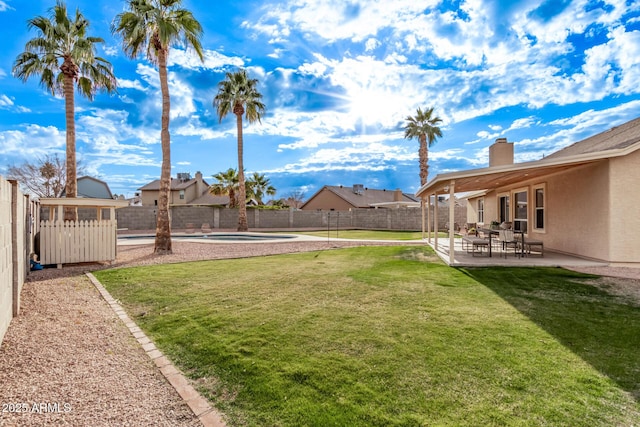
(363, 197)
(92, 188)
(618, 141)
(176, 184)
(209, 199)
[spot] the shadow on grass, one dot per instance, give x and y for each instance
(601, 328)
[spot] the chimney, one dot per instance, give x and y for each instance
(501, 153)
(397, 195)
(200, 187)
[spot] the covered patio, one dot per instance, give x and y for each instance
(579, 203)
(461, 258)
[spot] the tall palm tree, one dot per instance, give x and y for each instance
(258, 185)
(64, 57)
(423, 126)
(227, 185)
(238, 94)
(152, 27)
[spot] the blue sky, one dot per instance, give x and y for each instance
(339, 78)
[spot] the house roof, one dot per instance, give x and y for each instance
(209, 199)
(616, 138)
(618, 141)
(176, 184)
(366, 198)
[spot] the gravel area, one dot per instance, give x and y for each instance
(68, 360)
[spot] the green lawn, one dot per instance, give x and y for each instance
(384, 336)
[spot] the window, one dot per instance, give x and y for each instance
(504, 209)
(481, 210)
(520, 211)
(181, 194)
(539, 208)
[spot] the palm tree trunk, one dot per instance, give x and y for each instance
(70, 213)
(422, 158)
(163, 224)
(242, 191)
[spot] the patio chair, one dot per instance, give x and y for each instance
(507, 240)
(533, 243)
(471, 229)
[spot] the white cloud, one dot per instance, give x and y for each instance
(32, 141)
(615, 62)
(566, 131)
(131, 84)
(213, 60)
(525, 122)
(315, 69)
(181, 93)
(5, 101)
(4, 6)
(371, 44)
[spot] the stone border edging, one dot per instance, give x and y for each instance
(207, 415)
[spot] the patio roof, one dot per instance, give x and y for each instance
(626, 141)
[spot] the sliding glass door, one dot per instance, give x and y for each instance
(503, 209)
(520, 211)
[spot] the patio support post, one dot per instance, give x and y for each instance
(422, 204)
(451, 221)
(435, 220)
(429, 218)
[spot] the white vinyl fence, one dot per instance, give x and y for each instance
(69, 242)
(72, 242)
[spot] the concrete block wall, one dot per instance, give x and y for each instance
(309, 219)
(17, 229)
(6, 264)
(143, 218)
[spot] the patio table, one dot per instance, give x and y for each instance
(494, 232)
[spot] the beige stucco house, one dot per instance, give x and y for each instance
(342, 198)
(184, 190)
(583, 200)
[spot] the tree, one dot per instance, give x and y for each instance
(296, 199)
(238, 94)
(258, 186)
(152, 27)
(227, 185)
(424, 127)
(45, 177)
(64, 56)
